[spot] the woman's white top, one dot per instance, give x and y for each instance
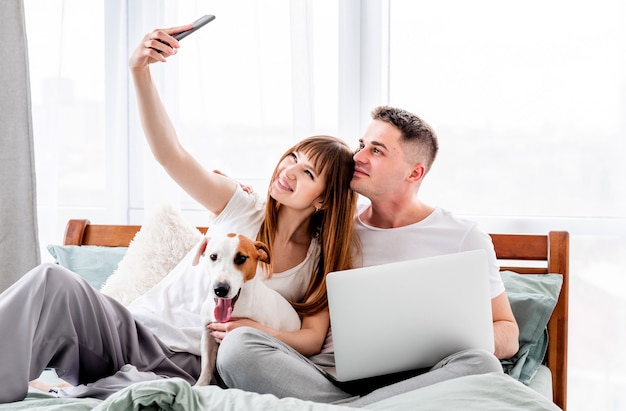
(171, 309)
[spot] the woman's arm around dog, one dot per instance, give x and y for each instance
(308, 340)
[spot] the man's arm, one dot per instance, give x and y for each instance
(505, 329)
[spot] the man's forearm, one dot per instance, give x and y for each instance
(506, 335)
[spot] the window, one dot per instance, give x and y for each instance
(68, 98)
(533, 90)
(67, 75)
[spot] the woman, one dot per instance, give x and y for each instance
(90, 338)
(307, 221)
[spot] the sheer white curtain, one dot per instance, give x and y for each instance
(78, 56)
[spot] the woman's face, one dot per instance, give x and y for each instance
(298, 184)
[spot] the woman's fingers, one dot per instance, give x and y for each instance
(155, 46)
(164, 36)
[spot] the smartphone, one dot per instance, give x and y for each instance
(201, 22)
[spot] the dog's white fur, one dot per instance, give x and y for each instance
(231, 262)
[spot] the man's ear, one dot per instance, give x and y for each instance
(417, 172)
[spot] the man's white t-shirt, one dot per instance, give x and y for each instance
(439, 233)
(171, 309)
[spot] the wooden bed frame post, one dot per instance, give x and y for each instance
(558, 262)
(75, 232)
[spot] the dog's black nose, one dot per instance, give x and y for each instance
(221, 289)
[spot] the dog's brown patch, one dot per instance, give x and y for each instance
(255, 251)
(246, 248)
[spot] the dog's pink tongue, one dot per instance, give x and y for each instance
(223, 310)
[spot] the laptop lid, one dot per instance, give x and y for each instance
(409, 315)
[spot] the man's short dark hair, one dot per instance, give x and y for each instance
(415, 131)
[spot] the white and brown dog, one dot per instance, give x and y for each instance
(236, 292)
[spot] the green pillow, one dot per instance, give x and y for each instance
(533, 298)
(94, 263)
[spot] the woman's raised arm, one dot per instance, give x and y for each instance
(210, 189)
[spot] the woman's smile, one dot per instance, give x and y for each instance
(282, 184)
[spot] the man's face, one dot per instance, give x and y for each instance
(380, 167)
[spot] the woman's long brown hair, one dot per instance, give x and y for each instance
(333, 225)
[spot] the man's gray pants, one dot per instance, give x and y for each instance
(254, 361)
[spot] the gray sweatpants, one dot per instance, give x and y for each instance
(53, 318)
(254, 361)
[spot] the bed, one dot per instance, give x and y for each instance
(540, 259)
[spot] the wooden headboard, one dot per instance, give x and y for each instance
(548, 253)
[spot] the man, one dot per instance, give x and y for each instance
(395, 154)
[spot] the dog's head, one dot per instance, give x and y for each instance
(230, 261)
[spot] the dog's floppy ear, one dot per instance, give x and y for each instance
(200, 251)
(264, 253)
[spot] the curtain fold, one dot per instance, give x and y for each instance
(19, 245)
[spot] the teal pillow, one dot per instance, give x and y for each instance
(94, 263)
(533, 298)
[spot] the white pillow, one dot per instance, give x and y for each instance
(163, 240)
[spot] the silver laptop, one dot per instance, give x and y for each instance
(408, 315)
